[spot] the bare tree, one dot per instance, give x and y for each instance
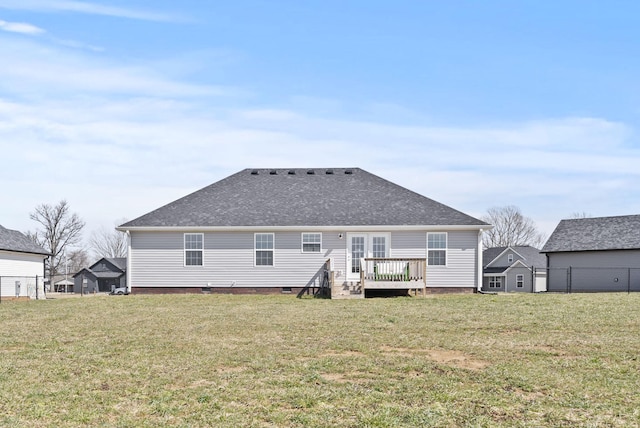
(510, 227)
(60, 230)
(578, 214)
(77, 260)
(109, 243)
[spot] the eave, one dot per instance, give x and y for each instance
(351, 228)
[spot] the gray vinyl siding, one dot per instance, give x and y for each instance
(157, 260)
(462, 255)
(511, 284)
(591, 271)
(504, 259)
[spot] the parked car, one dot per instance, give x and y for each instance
(120, 291)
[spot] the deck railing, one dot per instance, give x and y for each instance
(393, 270)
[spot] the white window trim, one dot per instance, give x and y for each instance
(302, 242)
(387, 243)
(520, 281)
(273, 250)
(185, 249)
(445, 249)
(510, 258)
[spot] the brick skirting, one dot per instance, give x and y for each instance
(267, 290)
(451, 290)
(216, 290)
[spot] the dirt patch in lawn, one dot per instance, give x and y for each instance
(343, 354)
(451, 358)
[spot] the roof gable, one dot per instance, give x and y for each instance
(518, 263)
(111, 264)
(530, 256)
(12, 240)
(595, 234)
(303, 197)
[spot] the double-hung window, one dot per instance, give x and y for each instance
(264, 249)
(437, 248)
(193, 249)
(519, 280)
(311, 242)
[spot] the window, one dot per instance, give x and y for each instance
(193, 249)
(519, 280)
(437, 249)
(495, 282)
(510, 258)
(264, 249)
(311, 242)
(379, 244)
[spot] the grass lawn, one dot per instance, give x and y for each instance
(261, 361)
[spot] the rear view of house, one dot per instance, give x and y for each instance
(595, 254)
(287, 230)
(21, 266)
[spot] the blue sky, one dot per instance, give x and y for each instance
(123, 106)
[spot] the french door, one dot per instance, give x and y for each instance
(361, 245)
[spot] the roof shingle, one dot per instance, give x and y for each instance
(532, 256)
(303, 197)
(12, 240)
(595, 234)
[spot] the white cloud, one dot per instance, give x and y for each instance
(33, 68)
(118, 140)
(86, 8)
(122, 158)
(20, 27)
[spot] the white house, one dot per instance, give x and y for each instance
(287, 230)
(21, 266)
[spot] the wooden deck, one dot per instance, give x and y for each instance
(383, 274)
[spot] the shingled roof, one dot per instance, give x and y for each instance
(532, 256)
(595, 234)
(303, 197)
(12, 240)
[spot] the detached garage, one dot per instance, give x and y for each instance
(594, 255)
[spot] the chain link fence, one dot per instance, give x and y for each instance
(593, 279)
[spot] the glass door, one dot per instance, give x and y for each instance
(357, 249)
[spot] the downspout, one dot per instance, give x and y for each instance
(480, 273)
(128, 262)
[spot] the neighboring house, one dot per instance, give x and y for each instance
(21, 266)
(64, 285)
(594, 254)
(101, 277)
(277, 230)
(516, 268)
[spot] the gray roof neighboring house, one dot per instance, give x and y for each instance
(119, 262)
(12, 240)
(303, 197)
(595, 234)
(532, 256)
